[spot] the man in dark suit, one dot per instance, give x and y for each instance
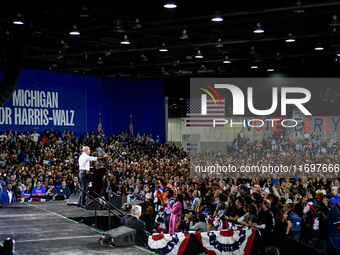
(8, 195)
(134, 222)
(128, 216)
(73, 184)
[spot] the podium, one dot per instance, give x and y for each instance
(95, 175)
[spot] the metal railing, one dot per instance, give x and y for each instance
(104, 203)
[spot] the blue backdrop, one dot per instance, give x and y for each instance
(75, 102)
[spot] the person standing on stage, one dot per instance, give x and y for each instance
(84, 165)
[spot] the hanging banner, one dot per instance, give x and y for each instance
(42, 108)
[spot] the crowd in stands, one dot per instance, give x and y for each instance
(143, 167)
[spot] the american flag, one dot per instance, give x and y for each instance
(131, 126)
(99, 127)
(196, 119)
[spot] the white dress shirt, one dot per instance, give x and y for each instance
(10, 195)
(84, 161)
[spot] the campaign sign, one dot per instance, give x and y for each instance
(43, 108)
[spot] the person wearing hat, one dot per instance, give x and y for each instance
(332, 224)
(51, 191)
(265, 192)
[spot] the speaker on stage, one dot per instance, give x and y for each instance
(92, 205)
(137, 202)
(73, 199)
(121, 236)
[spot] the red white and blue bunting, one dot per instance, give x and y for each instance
(169, 243)
(227, 242)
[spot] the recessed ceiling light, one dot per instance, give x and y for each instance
(318, 46)
(199, 55)
(290, 38)
(170, 5)
(254, 67)
(125, 41)
(163, 49)
(226, 60)
(258, 29)
(74, 31)
(18, 21)
(217, 19)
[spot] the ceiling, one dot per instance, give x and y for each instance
(97, 51)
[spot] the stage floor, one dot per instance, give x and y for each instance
(47, 228)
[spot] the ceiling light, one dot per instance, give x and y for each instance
(64, 45)
(270, 70)
(335, 21)
(226, 60)
(299, 10)
(199, 55)
(74, 31)
(137, 25)
(338, 54)
(125, 41)
(318, 46)
(217, 17)
(252, 50)
(219, 45)
(258, 29)
(84, 13)
(170, 5)
(100, 62)
(144, 58)
(181, 99)
(163, 49)
(60, 56)
(184, 35)
(254, 67)
(18, 21)
(290, 39)
(278, 56)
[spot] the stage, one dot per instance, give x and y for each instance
(54, 228)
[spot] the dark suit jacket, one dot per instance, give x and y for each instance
(141, 232)
(5, 198)
(124, 218)
(72, 187)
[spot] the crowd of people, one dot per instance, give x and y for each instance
(143, 167)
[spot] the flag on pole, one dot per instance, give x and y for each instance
(131, 126)
(99, 127)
